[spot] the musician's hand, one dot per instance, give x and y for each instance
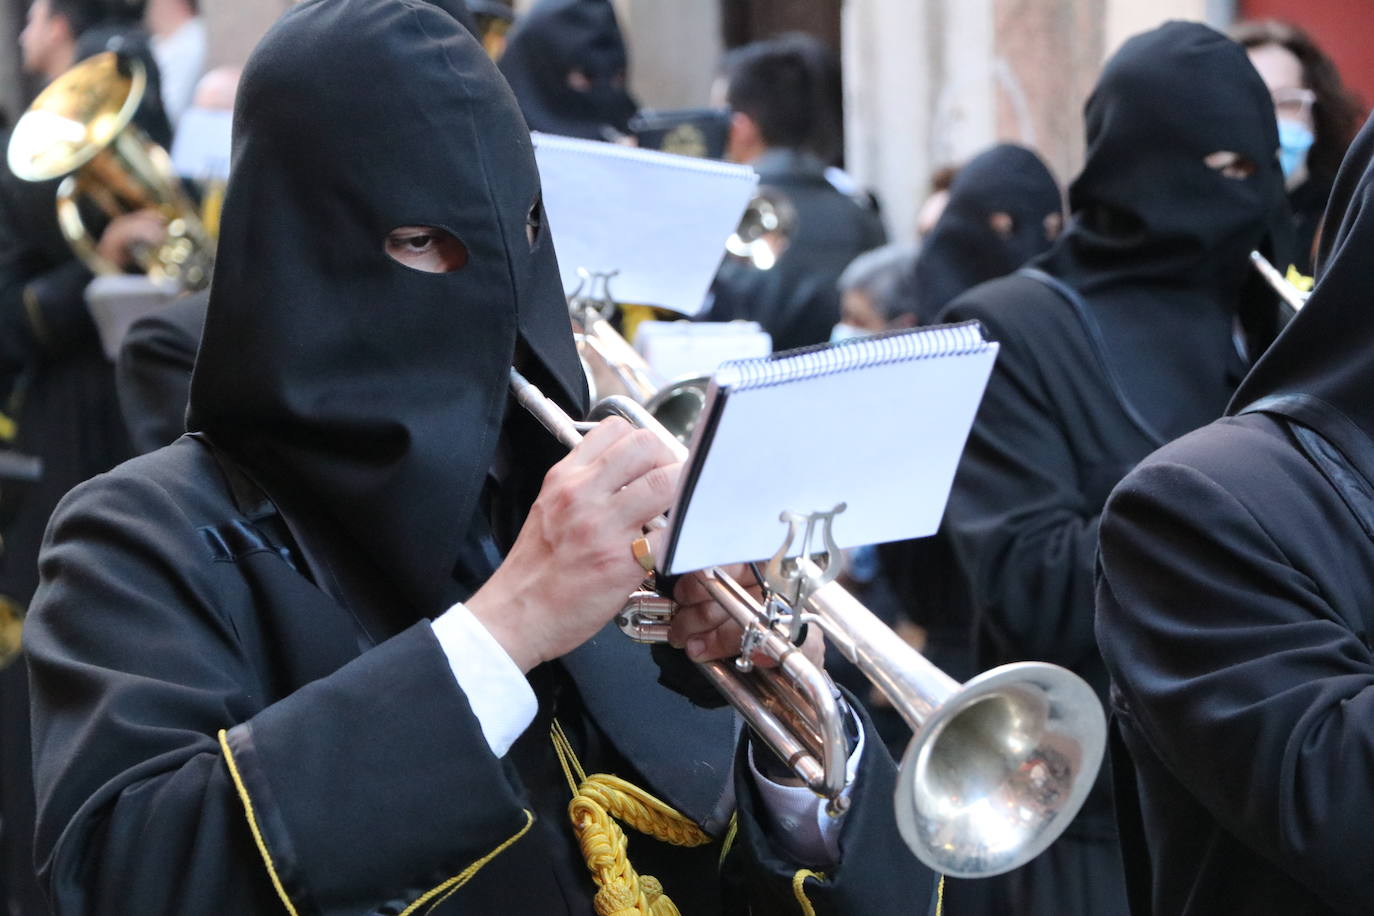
(707, 631)
(571, 567)
(129, 231)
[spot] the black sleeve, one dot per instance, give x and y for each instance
(1021, 525)
(877, 875)
(169, 782)
(1245, 681)
(153, 375)
(42, 305)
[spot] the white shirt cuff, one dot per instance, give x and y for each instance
(500, 696)
(806, 833)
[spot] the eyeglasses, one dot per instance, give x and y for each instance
(1293, 103)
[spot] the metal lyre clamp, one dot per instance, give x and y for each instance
(592, 296)
(791, 577)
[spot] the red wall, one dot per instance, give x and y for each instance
(1342, 28)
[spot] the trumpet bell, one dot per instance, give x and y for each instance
(678, 406)
(999, 769)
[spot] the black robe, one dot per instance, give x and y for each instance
(1129, 334)
(1049, 443)
(797, 301)
(180, 629)
(153, 372)
(1234, 611)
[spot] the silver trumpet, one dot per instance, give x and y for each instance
(1290, 294)
(996, 768)
(613, 367)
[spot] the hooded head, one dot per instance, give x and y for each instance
(1182, 181)
(369, 390)
(566, 61)
(1004, 208)
(1320, 372)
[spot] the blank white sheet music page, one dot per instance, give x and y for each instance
(884, 439)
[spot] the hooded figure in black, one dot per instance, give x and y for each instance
(566, 61)
(1235, 608)
(1135, 329)
(1004, 209)
(240, 701)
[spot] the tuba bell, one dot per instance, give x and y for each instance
(81, 127)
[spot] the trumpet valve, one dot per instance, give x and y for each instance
(646, 616)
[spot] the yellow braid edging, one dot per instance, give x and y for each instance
(940, 897)
(619, 891)
(597, 799)
(631, 804)
(729, 843)
(799, 891)
(33, 309)
(447, 888)
(253, 822)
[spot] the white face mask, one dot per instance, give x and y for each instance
(844, 331)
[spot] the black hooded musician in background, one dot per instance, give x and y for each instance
(1235, 608)
(241, 701)
(566, 62)
(1135, 329)
(1004, 209)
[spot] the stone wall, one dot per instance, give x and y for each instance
(930, 83)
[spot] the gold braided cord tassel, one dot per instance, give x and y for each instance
(629, 803)
(621, 891)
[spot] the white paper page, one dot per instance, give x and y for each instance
(885, 440)
(201, 149)
(687, 349)
(659, 219)
(116, 301)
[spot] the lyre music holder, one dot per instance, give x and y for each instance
(789, 579)
(597, 299)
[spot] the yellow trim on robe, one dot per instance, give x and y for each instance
(447, 888)
(798, 891)
(441, 891)
(34, 310)
(253, 822)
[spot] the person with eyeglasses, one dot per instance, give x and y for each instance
(1318, 117)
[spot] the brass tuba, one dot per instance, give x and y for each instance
(997, 767)
(81, 126)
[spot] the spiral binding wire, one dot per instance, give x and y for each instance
(860, 353)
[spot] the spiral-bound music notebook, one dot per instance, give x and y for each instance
(876, 423)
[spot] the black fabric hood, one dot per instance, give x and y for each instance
(554, 38)
(1147, 207)
(1158, 241)
(963, 249)
(372, 392)
(1320, 372)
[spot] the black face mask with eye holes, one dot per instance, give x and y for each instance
(372, 392)
(550, 42)
(1006, 188)
(1159, 240)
